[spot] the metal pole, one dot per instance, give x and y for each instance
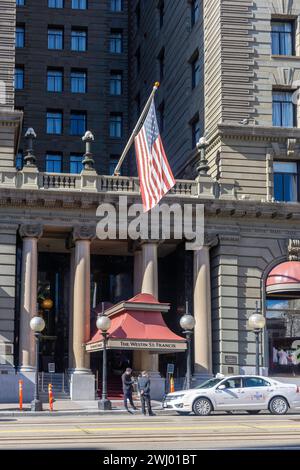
(188, 360)
(104, 370)
(257, 351)
(36, 404)
(104, 403)
(135, 130)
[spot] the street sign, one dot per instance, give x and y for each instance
(51, 368)
(170, 369)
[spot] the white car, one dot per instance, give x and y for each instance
(250, 393)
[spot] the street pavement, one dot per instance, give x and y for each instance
(161, 432)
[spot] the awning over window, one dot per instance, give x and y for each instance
(137, 324)
(285, 277)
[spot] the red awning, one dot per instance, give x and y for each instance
(137, 324)
(285, 277)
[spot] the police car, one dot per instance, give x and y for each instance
(251, 393)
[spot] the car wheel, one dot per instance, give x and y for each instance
(253, 412)
(278, 406)
(202, 407)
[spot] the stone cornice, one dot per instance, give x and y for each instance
(264, 133)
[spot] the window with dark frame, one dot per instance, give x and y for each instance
(78, 40)
(195, 125)
(78, 81)
(55, 80)
(53, 162)
(283, 37)
(138, 15)
(78, 123)
(116, 41)
(116, 5)
(54, 122)
(113, 161)
(20, 3)
(161, 10)
(283, 108)
(20, 36)
(195, 11)
(76, 165)
(195, 72)
(115, 125)
(55, 3)
(115, 84)
(19, 78)
(286, 181)
(55, 38)
(19, 160)
(79, 4)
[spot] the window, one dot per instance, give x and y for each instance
(255, 382)
(116, 5)
(195, 11)
(195, 72)
(76, 163)
(53, 163)
(115, 85)
(116, 41)
(54, 122)
(79, 40)
(77, 123)
(79, 4)
(55, 38)
(55, 80)
(161, 60)
(78, 81)
(285, 181)
(19, 78)
(115, 125)
(232, 383)
(113, 161)
(161, 10)
(20, 3)
(20, 36)
(284, 110)
(195, 132)
(161, 111)
(282, 37)
(55, 3)
(19, 160)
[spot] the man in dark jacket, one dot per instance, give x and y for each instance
(144, 389)
(127, 383)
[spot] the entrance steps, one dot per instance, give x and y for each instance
(114, 388)
(59, 382)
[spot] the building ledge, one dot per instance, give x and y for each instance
(253, 132)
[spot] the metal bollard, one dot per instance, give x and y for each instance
(21, 394)
(50, 397)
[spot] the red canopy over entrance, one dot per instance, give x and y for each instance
(137, 324)
(285, 277)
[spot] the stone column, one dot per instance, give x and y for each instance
(149, 286)
(30, 235)
(81, 299)
(202, 311)
(71, 303)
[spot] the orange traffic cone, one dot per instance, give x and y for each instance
(50, 397)
(172, 386)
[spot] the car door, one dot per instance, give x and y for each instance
(256, 392)
(230, 397)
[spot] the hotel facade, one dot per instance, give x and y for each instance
(235, 78)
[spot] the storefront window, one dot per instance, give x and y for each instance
(283, 329)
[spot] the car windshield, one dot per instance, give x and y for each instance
(209, 383)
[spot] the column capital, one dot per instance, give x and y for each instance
(31, 230)
(210, 240)
(84, 232)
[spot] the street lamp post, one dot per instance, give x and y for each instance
(103, 323)
(187, 323)
(256, 323)
(37, 325)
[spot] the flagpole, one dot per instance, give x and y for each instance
(135, 130)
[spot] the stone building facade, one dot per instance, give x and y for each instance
(251, 244)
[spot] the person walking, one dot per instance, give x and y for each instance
(127, 383)
(144, 389)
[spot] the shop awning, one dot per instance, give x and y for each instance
(137, 324)
(284, 278)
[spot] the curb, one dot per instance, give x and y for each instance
(19, 414)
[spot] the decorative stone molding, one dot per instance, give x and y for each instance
(294, 250)
(31, 231)
(285, 76)
(84, 232)
(282, 7)
(291, 146)
(211, 240)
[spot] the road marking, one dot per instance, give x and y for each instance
(149, 428)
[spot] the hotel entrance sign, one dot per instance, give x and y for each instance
(132, 344)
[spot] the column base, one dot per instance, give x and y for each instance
(82, 386)
(22, 369)
(104, 404)
(36, 405)
(81, 370)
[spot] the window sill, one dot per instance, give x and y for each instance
(289, 57)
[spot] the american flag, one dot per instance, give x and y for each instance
(156, 177)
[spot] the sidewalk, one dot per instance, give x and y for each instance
(70, 408)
